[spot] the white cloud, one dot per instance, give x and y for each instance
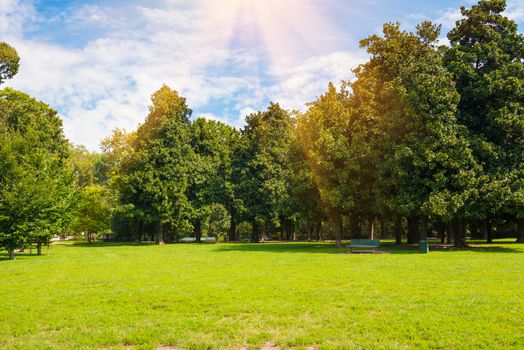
(14, 15)
(515, 10)
(107, 81)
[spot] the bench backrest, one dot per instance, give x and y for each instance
(370, 242)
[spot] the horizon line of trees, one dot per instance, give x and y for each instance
(427, 140)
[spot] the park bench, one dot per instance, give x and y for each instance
(203, 240)
(363, 244)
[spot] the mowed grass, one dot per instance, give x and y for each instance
(226, 296)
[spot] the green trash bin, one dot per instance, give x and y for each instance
(423, 247)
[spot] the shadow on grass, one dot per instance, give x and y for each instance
(293, 247)
(329, 248)
(20, 256)
(281, 247)
(81, 244)
(306, 247)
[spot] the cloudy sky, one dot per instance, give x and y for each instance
(98, 62)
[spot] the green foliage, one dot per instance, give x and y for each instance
(89, 168)
(92, 211)
(486, 59)
(9, 62)
(262, 168)
(155, 175)
(34, 177)
(217, 222)
(425, 167)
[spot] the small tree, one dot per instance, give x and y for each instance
(9, 62)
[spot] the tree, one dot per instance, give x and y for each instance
(9, 62)
(262, 168)
(88, 167)
(324, 132)
(93, 212)
(210, 180)
(304, 199)
(486, 59)
(426, 169)
(34, 177)
(157, 171)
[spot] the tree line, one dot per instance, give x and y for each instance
(426, 140)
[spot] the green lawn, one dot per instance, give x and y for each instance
(226, 296)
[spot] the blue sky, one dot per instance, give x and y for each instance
(98, 62)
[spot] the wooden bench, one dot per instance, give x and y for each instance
(363, 244)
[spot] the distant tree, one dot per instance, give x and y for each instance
(88, 167)
(92, 212)
(9, 62)
(218, 222)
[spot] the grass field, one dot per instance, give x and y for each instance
(227, 296)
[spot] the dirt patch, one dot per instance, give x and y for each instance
(165, 347)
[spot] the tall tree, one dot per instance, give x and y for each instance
(324, 132)
(425, 167)
(159, 167)
(210, 180)
(263, 169)
(486, 59)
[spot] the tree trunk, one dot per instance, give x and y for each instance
(309, 228)
(232, 229)
(398, 230)
(159, 234)
(441, 230)
(197, 231)
(489, 229)
(423, 235)
(338, 232)
(354, 228)
(520, 230)
(319, 230)
(484, 230)
(39, 248)
(413, 230)
(371, 227)
(255, 232)
(139, 229)
(11, 254)
(450, 232)
(282, 222)
(383, 228)
(458, 228)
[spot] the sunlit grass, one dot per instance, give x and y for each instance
(110, 296)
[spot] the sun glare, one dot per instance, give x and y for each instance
(285, 29)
